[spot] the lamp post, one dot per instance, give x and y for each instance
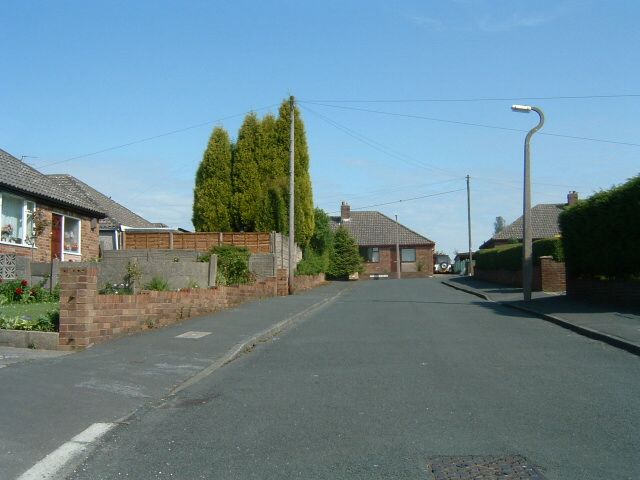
(398, 274)
(527, 258)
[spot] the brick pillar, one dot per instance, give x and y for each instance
(78, 291)
(552, 274)
(282, 277)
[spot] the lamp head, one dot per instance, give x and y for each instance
(521, 108)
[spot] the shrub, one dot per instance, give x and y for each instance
(509, 257)
(233, 264)
(48, 322)
(312, 263)
(344, 259)
(157, 283)
(600, 234)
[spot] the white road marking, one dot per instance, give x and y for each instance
(50, 465)
(193, 335)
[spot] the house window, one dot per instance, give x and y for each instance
(16, 220)
(408, 255)
(370, 254)
(71, 228)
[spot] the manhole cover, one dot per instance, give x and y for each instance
(193, 334)
(510, 467)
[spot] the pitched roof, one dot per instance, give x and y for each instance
(116, 214)
(544, 223)
(20, 177)
(374, 228)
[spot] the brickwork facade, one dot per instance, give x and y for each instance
(89, 242)
(422, 267)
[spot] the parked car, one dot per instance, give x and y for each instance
(442, 264)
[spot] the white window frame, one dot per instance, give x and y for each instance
(25, 221)
(64, 221)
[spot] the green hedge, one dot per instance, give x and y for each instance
(601, 234)
(509, 257)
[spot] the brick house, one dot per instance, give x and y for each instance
(376, 236)
(117, 217)
(71, 232)
(544, 224)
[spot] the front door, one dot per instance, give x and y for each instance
(56, 237)
(394, 263)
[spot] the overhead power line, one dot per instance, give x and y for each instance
(154, 137)
(410, 199)
(480, 99)
(377, 145)
(471, 124)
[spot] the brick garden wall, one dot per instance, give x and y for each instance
(549, 276)
(609, 292)
(87, 317)
(307, 282)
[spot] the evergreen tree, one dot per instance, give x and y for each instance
(273, 169)
(344, 258)
(248, 184)
(303, 193)
(212, 195)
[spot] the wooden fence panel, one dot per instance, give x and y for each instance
(256, 242)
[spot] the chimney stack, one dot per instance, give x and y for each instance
(345, 212)
(572, 198)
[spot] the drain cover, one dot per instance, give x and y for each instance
(509, 467)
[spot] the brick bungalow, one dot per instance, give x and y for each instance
(376, 236)
(544, 224)
(71, 232)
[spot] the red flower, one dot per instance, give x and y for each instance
(19, 291)
(24, 283)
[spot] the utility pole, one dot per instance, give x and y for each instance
(398, 274)
(291, 196)
(470, 268)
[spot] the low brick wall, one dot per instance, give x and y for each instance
(87, 317)
(508, 277)
(306, 282)
(609, 292)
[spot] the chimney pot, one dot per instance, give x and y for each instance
(345, 212)
(572, 198)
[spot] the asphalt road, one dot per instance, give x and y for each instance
(390, 375)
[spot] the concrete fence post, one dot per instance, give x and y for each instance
(213, 270)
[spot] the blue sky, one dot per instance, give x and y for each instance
(82, 77)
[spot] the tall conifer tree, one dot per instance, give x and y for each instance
(248, 183)
(212, 194)
(303, 193)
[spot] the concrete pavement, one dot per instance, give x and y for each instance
(617, 327)
(47, 401)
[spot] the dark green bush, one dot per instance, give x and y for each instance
(504, 257)
(548, 247)
(233, 265)
(509, 257)
(344, 258)
(600, 235)
(312, 263)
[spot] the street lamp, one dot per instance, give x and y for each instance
(527, 258)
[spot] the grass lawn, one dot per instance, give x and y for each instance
(26, 310)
